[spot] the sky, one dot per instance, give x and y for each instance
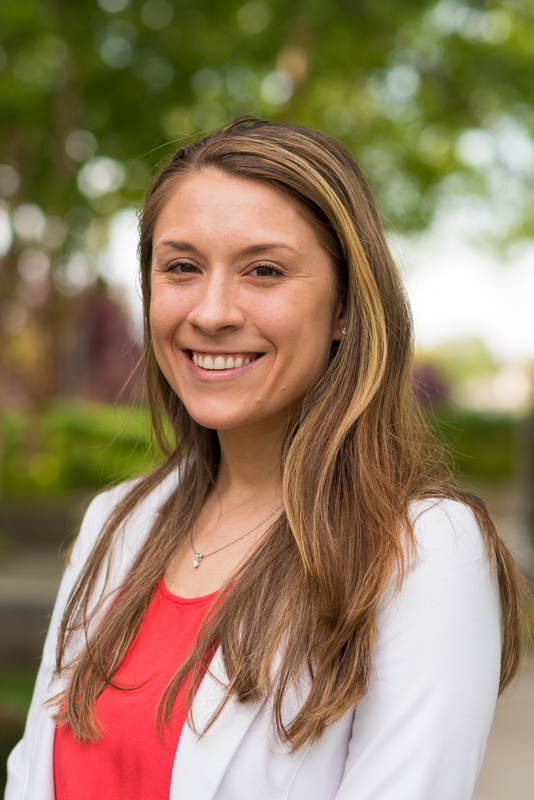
(456, 289)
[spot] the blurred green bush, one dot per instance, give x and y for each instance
(77, 445)
(72, 445)
(16, 687)
(482, 444)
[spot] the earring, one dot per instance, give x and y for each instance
(343, 331)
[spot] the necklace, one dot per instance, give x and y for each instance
(199, 556)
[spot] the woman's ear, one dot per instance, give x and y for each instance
(339, 327)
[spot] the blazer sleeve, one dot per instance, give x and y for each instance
(421, 730)
(31, 753)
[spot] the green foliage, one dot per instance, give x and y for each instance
(16, 687)
(461, 359)
(73, 446)
(433, 97)
(399, 81)
(482, 445)
(85, 446)
(11, 730)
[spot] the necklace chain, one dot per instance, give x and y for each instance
(200, 556)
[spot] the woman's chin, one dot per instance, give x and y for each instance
(241, 423)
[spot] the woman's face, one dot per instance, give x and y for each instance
(243, 309)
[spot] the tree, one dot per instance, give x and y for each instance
(434, 100)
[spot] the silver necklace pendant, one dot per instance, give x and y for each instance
(199, 556)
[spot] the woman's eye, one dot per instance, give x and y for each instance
(265, 271)
(182, 268)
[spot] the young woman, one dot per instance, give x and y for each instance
(298, 603)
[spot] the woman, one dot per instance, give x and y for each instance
(298, 603)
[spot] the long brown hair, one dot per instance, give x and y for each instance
(309, 593)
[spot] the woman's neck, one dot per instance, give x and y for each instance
(235, 515)
(250, 467)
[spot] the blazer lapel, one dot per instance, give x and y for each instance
(200, 763)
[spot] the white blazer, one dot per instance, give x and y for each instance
(419, 733)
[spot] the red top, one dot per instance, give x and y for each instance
(132, 759)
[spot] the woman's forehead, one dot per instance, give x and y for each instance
(200, 201)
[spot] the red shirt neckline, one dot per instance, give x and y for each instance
(132, 759)
(175, 598)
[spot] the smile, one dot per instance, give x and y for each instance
(220, 361)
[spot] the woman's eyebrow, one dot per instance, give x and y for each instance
(187, 246)
(251, 249)
(260, 248)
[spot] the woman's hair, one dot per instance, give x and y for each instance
(307, 598)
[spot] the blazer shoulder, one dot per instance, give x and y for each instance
(447, 531)
(104, 504)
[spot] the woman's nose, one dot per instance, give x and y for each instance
(216, 306)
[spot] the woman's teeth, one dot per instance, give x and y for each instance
(219, 362)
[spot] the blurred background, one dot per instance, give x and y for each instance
(434, 100)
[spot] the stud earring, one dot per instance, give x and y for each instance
(343, 331)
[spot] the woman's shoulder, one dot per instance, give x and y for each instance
(103, 505)
(107, 500)
(449, 580)
(447, 532)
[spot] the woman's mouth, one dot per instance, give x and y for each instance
(222, 361)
